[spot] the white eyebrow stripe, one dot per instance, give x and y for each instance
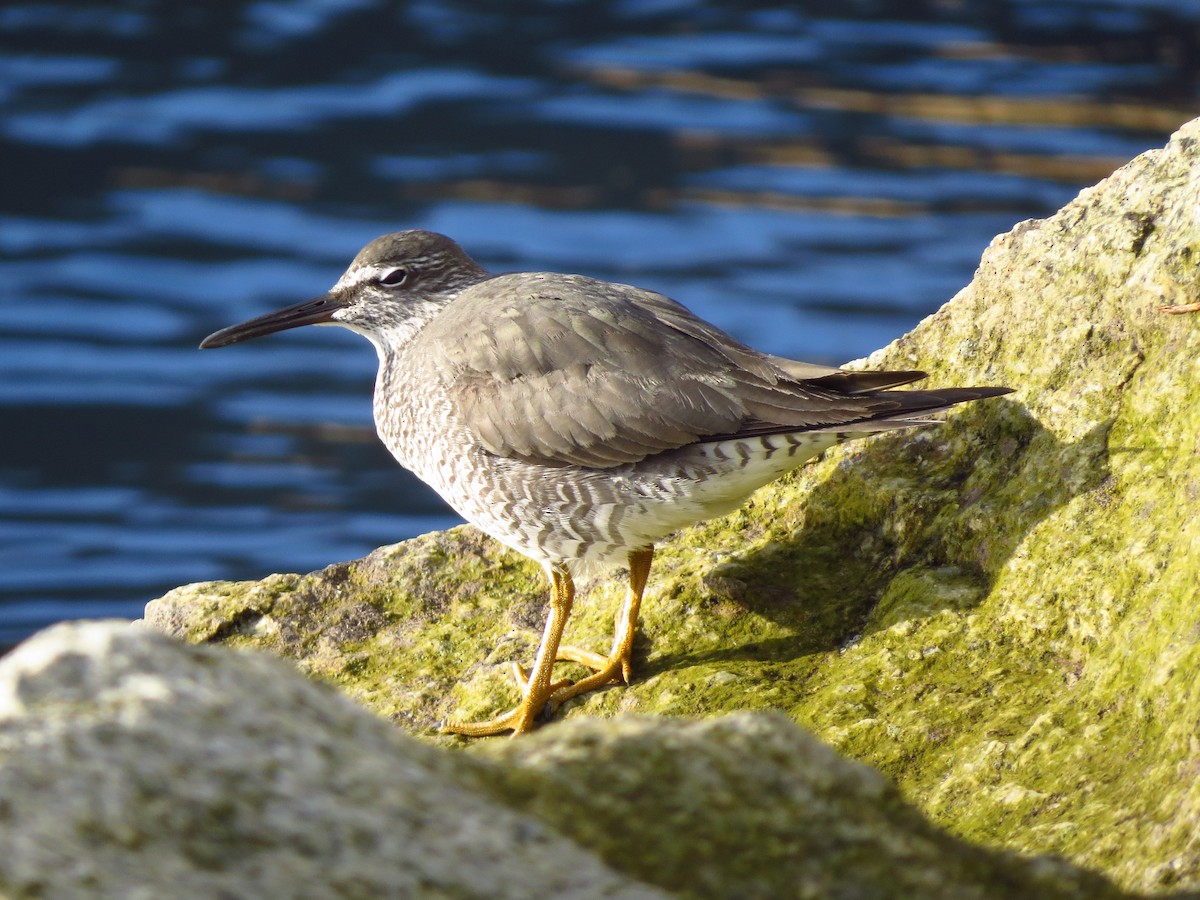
(354, 277)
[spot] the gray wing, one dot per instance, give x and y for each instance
(561, 369)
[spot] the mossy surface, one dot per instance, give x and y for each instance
(1002, 613)
(747, 805)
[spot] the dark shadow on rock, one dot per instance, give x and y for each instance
(911, 524)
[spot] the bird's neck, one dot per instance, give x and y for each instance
(405, 404)
(390, 336)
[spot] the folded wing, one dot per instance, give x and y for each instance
(572, 371)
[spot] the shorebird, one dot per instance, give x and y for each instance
(580, 421)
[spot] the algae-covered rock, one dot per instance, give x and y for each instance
(751, 806)
(135, 766)
(1001, 613)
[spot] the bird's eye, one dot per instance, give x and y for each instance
(394, 277)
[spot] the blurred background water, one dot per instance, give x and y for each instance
(813, 177)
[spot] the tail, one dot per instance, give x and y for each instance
(867, 411)
(905, 409)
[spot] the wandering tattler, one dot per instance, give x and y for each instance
(579, 421)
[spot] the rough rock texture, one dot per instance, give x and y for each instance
(1002, 614)
(750, 806)
(134, 766)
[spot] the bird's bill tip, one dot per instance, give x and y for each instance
(317, 311)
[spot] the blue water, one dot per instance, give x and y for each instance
(815, 179)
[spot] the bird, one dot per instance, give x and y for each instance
(580, 421)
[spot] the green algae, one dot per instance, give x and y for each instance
(749, 806)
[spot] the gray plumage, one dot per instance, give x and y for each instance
(579, 421)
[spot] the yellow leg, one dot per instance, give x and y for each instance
(538, 687)
(617, 668)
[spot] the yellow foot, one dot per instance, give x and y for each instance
(523, 717)
(540, 695)
(618, 667)
(520, 719)
(587, 658)
(520, 675)
(615, 670)
(568, 653)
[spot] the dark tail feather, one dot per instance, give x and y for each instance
(914, 407)
(892, 409)
(846, 382)
(865, 382)
(944, 397)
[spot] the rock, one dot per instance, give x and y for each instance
(751, 806)
(135, 766)
(131, 765)
(1000, 614)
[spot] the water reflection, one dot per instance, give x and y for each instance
(813, 179)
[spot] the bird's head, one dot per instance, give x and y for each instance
(394, 286)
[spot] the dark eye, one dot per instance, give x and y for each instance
(394, 277)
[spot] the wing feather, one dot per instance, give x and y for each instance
(565, 370)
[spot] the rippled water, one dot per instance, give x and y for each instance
(813, 178)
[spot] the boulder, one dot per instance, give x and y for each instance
(132, 765)
(1001, 614)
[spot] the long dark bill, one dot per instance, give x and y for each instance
(310, 312)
